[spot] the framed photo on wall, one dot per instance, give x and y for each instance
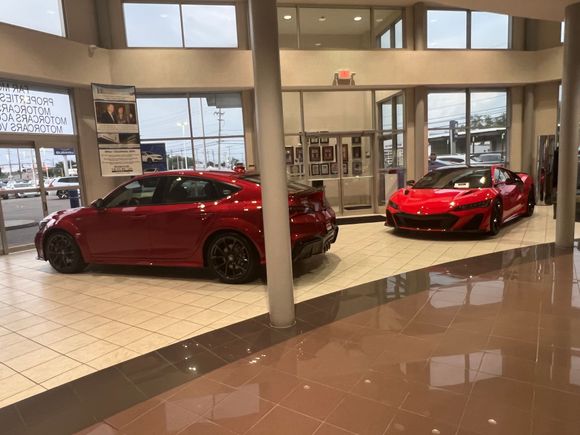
(299, 154)
(356, 168)
(289, 155)
(356, 152)
(345, 152)
(324, 139)
(313, 140)
(314, 154)
(345, 169)
(356, 140)
(324, 169)
(328, 153)
(314, 169)
(334, 168)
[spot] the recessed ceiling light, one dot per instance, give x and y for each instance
(357, 18)
(287, 17)
(322, 18)
(379, 20)
(317, 44)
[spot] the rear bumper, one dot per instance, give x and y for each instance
(317, 245)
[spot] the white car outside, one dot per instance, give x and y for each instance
(149, 157)
(64, 182)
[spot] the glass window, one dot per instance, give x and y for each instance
(446, 108)
(446, 29)
(287, 27)
(210, 25)
(217, 115)
(387, 115)
(163, 117)
(488, 109)
(135, 193)
(188, 189)
(489, 30)
(335, 28)
(400, 113)
(388, 28)
(42, 15)
(152, 25)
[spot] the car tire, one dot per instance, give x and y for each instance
(63, 253)
(232, 258)
(531, 205)
(61, 194)
(496, 217)
(149, 160)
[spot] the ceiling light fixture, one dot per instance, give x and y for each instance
(322, 18)
(379, 20)
(357, 18)
(317, 44)
(287, 17)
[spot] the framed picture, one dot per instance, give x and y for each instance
(328, 153)
(294, 169)
(324, 139)
(314, 154)
(356, 140)
(345, 152)
(334, 168)
(356, 168)
(313, 140)
(345, 169)
(299, 154)
(324, 169)
(289, 155)
(314, 169)
(356, 152)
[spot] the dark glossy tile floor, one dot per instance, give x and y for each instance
(488, 345)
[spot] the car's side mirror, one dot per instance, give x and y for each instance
(98, 203)
(410, 182)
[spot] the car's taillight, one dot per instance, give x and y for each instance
(300, 209)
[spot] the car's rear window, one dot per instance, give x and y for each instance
(293, 186)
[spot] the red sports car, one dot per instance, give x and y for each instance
(184, 218)
(460, 198)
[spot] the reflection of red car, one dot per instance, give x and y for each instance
(184, 218)
(460, 198)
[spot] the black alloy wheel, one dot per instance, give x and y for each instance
(232, 258)
(496, 217)
(531, 204)
(63, 253)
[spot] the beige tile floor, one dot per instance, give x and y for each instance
(56, 328)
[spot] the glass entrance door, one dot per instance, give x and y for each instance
(34, 182)
(342, 165)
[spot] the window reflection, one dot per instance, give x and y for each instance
(42, 15)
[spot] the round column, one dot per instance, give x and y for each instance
(270, 136)
(569, 135)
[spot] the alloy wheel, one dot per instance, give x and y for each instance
(495, 218)
(230, 258)
(61, 251)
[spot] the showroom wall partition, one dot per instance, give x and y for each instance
(345, 142)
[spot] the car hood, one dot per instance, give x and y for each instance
(436, 201)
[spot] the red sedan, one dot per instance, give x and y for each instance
(460, 198)
(184, 218)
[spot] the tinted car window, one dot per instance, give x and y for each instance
(188, 189)
(464, 178)
(135, 193)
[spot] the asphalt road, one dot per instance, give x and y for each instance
(28, 209)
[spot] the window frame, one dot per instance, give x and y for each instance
(63, 19)
(468, 29)
(180, 3)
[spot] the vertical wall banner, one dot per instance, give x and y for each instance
(153, 157)
(117, 130)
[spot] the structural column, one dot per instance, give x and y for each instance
(569, 131)
(270, 137)
(528, 134)
(420, 136)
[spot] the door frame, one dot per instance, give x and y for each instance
(371, 134)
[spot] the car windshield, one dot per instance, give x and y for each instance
(463, 178)
(293, 186)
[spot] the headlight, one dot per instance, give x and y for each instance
(393, 205)
(480, 204)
